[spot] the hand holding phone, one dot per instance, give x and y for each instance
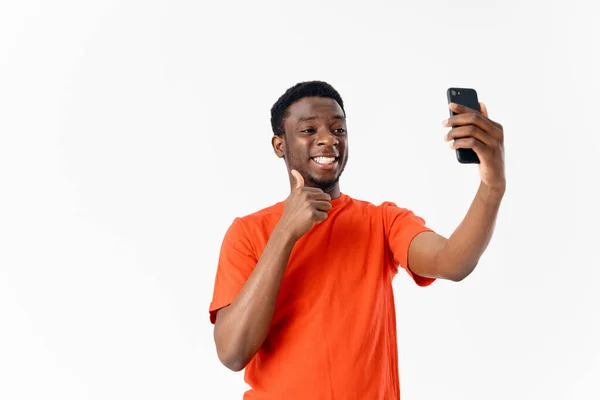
(476, 138)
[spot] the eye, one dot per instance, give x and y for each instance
(340, 131)
(309, 130)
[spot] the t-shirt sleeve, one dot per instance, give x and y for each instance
(236, 262)
(401, 226)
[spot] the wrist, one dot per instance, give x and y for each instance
(283, 233)
(492, 192)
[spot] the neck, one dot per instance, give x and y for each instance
(334, 191)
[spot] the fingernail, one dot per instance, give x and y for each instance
(445, 122)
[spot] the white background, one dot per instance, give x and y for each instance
(133, 132)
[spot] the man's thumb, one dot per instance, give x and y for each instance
(299, 180)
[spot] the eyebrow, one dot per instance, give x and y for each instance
(313, 117)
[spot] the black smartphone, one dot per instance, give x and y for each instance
(467, 98)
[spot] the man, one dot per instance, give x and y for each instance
(303, 293)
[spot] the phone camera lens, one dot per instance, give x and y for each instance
(453, 92)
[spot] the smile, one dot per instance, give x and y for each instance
(324, 160)
(325, 163)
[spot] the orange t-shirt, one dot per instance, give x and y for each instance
(333, 334)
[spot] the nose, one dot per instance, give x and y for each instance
(326, 138)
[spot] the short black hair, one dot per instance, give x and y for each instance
(297, 92)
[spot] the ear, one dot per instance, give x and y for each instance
(278, 143)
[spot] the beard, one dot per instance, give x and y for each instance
(325, 185)
(313, 181)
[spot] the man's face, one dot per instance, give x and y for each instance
(315, 142)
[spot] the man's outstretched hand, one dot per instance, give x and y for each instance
(304, 208)
(474, 130)
(431, 255)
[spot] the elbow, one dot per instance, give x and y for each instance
(457, 278)
(231, 360)
(455, 271)
(234, 365)
(228, 348)
(460, 273)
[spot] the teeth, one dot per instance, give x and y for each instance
(324, 160)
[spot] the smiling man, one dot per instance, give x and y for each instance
(303, 293)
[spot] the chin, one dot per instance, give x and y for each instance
(325, 184)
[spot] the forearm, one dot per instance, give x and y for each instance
(465, 246)
(242, 327)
